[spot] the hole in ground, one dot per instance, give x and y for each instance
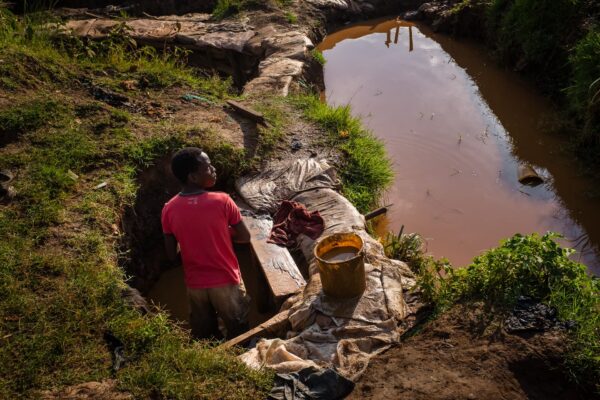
(145, 260)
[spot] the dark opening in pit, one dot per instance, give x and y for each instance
(145, 261)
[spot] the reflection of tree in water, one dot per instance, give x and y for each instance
(399, 24)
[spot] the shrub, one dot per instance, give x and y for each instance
(530, 266)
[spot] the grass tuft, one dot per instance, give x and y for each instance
(291, 17)
(366, 170)
(28, 116)
(318, 56)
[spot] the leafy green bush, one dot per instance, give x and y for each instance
(530, 266)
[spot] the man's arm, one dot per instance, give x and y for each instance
(240, 233)
(171, 247)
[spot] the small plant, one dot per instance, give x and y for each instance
(291, 17)
(226, 8)
(406, 247)
(318, 56)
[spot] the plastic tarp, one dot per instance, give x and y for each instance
(343, 334)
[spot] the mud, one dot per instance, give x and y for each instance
(465, 354)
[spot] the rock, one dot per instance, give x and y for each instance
(265, 84)
(367, 7)
(296, 144)
(287, 44)
(335, 4)
(276, 67)
(7, 192)
(412, 16)
(191, 30)
(429, 10)
(235, 41)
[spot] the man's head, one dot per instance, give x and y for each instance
(192, 165)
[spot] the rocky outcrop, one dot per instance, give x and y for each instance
(265, 58)
(286, 53)
(269, 57)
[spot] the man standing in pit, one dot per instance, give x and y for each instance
(204, 224)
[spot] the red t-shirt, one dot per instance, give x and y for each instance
(200, 223)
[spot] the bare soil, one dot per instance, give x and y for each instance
(462, 355)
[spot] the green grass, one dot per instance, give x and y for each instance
(291, 17)
(530, 266)
(366, 170)
(60, 282)
(225, 8)
(318, 56)
(29, 115)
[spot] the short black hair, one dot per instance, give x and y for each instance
(186, 161)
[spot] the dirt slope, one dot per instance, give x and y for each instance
(460, 356)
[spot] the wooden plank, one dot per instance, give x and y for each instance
(247, 112)
(282, 274)
(272, 326)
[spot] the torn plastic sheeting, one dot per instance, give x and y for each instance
(311, 384)
(328, 332)
(264, 191)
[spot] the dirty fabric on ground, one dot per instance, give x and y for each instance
(327, 332)
(292, 219)
(531, 315)
(311, 384)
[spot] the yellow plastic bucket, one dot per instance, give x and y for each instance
(340, 258)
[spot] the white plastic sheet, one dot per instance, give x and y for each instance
(327, 332)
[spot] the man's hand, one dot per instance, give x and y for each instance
(240, 233)
(171, 247)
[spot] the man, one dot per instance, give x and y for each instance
(204, 224)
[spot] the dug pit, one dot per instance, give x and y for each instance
(145, 261)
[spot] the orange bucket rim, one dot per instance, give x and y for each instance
(358, 254)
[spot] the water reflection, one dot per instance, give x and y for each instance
(458, 129)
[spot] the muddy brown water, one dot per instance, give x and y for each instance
(170, 293)
(457, 127)
(337, 254)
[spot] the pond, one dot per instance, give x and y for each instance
(457, 128)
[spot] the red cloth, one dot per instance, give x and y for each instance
(200, 223)
(292, 219)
